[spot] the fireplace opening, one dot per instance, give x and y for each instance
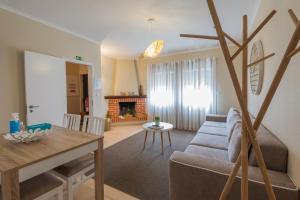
(127, 109)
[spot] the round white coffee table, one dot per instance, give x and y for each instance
(167, 127)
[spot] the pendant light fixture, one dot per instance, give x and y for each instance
(155, 47)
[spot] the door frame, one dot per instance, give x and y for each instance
(91, 71)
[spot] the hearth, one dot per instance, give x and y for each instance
(127, 109)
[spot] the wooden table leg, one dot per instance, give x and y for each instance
(169, 138)
(10, 185)
(162, 142)
(153, 137)
(146, 134)
(99, 181)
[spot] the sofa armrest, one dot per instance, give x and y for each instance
(216, 118)
(194, 177)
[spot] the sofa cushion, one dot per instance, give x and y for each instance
(207, 152)
(232, 111)
(213, 130)
(235, 118)
(275, 153)
(212, 141)
(216, 117)
(214, 124)
(234, 146)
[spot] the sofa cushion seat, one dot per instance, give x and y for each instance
(215, 124)
(212, 141)
(219, 131)
(211, 153)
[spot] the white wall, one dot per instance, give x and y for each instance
(125, 77)
(18, 34)
(108, 68)
(282, 118)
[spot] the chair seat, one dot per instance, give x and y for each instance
(71, 168)
(37, 186)
(90, 172)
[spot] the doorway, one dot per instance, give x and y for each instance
(78, 95)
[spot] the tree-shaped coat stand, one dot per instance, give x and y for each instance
(249, 130)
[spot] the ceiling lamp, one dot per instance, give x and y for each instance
(155, 47)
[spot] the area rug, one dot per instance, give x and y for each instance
(143, 173)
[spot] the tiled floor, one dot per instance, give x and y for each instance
(115, 135)
(119, 133)
(86, 192)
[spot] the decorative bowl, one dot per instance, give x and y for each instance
(25, 136)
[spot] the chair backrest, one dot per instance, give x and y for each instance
(71, 121)
(93, 125)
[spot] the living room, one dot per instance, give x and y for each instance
(178, 100)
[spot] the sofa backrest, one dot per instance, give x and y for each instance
(233, 117)
(234, 146)
(275, 153)
(232, 110)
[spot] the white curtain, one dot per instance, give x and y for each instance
(182, 92)
(162, 91)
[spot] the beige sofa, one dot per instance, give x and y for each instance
(201, 171)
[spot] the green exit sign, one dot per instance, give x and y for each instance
(78, 57)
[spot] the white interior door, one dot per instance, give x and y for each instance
(45, 84)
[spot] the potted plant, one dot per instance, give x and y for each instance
(157, 120)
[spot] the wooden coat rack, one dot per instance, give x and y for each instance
(249, 129)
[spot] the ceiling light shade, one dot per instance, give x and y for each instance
(154, 49)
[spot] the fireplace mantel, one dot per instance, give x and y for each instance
(124, 96)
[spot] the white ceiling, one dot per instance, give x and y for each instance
(121, 25)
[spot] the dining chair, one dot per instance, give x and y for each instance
(71, 121)
(94, 125)
(80, 170)
(42, 187)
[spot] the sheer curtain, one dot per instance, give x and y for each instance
(182, 92)
(162, 91)
(196, 92)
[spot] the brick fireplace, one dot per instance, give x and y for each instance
(127, 108)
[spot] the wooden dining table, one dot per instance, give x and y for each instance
(20, 162)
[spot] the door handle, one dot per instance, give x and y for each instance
(32, 107)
